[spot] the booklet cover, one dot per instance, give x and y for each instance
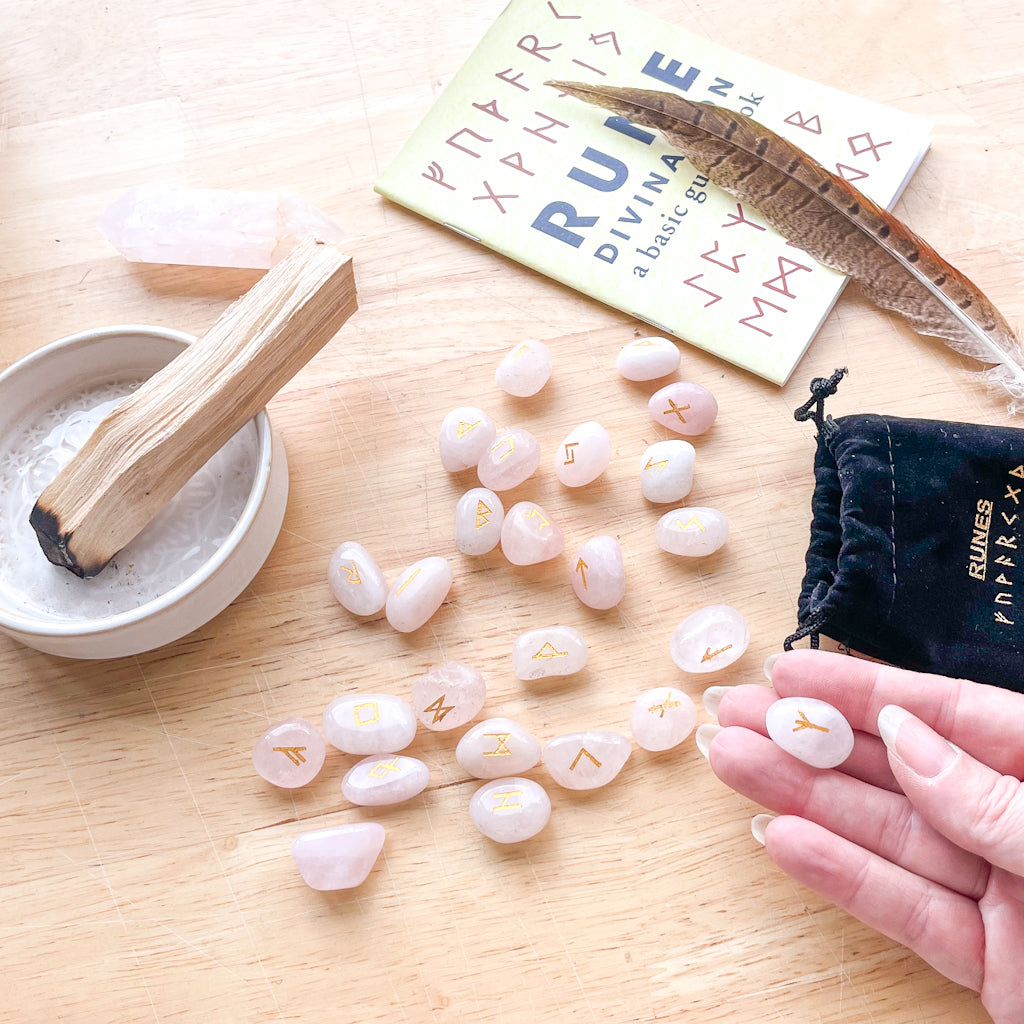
(608, 208)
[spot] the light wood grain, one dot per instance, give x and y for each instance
(146, 867)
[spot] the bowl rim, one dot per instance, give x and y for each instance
(32, 625)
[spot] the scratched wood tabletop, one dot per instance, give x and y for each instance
(146, 868)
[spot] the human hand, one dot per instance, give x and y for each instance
(920, 838)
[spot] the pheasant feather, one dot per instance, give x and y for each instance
(830, 220)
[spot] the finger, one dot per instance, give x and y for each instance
(942, 927)
(973, 715)
(747, 705)
(876, 820)
(967, 801)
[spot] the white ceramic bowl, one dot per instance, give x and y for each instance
(41, 382)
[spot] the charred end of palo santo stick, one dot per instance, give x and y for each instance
(154, 440)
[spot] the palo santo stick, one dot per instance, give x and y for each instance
(155, 439)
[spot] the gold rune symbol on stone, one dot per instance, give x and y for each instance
(504, 798)
(502, 747)
(439, 709)
(521, 351)
(549, 651)
(659, 466)
(535, 513)
(676, 410)
(294, 754)
(570, 457)
(803, 722)
(483, 514)
(382, 768)
(372, 705)
(646, 343)
(407, 582)
(465, 428)
(507, 439)
(666, 705)
(709, 654)
(353, 573)
(689, 522)
(584, 753)
(580, 566)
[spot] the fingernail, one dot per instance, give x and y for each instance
(758, 824)
(921, 749)
(769, 664)
(705, 734)
(713, 697)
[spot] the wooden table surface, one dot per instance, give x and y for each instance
(146, 868)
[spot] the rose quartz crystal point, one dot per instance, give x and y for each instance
(478, 518)
(211, 227)
(525, 369)
(662, 718)
(466, 433)
(512, 458)
(369, 723)
(599, 575)
(647, 359)
(448, 696)
(586, 760)
(510, 810)
(528, 536)
(384, 779)
(685, 408)
(692, 532)
(290, 754)
(711, 638)
(496, 747)
(811, 730)
(340, 857)
(584, 455)
(355, 579)
(666, 470)
(549, 651)
(417, 593)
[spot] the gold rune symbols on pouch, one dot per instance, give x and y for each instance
(803, 722)
(294, 754)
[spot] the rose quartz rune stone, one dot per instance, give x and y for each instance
(528, 536)
(693, 532)
(478, 518)
(647, 359)
(417, 593)
(666, 470)
(355, 579)
(384, 779)
(496, 747)
(584, 455)
(586, 760)
(599, 576)
(510, 810)
(710, 639)
(662, 718)
(369, 723)
(448, 696)
(208, 227)
(811, 730)
(525, 369)
(290, 754)
(684, 408)
(549, 651)
(511, 458)
(339, 857)
(466, 433)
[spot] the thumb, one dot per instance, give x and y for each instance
(969, 803)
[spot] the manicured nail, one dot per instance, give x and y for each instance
(769, 664)
(921, 749)
(705, 734)
(713, 697)
(758, 824)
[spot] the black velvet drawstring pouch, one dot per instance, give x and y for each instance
(917, 535)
